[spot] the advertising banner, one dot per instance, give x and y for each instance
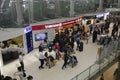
(29, 39)
(55, 25)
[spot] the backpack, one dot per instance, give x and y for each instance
(51, 58)
(46, 54)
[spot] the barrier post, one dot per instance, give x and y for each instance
(89, 72)
(76, 77)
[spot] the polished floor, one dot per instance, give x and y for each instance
(85, 59)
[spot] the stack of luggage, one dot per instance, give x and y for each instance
(72, 61)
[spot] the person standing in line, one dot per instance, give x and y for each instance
(41, 58)
(21, 61)
(57, 50)
(90, 29)
(40, 47)
(77, 42)
(94, 37)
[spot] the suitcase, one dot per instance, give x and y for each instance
(81, 46)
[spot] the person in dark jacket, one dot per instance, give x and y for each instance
(71, 42)
(94, 37)
(40, 48)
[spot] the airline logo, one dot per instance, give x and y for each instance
(27, 29)
(53, 25)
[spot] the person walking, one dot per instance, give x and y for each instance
(41, 58)
(21, 61)
(65, 60)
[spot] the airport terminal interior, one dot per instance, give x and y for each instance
(59, 39)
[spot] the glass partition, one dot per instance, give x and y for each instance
(100, 64)
(23, 12)
(94, 69)
(83, 75)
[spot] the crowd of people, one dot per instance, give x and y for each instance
(64, 40)
(64, 43)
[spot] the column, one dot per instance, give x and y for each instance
(19, 12)
(2, 4)
(58, 10)
(13, 12)
(100, 5)
(118, 3)
(31, 18)
(72, 8)
(1, 60)
(1, 63)
(24, 44)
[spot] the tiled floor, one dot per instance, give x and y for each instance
(85, 59)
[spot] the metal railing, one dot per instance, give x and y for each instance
(108, 55)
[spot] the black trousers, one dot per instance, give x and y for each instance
(65, 64)
(42, 63)
(22, 65)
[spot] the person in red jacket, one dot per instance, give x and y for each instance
(57, 50)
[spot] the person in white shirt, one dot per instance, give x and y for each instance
(41, 58)
(21, 61)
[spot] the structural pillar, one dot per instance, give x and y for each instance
(31, 11)
(100, 5)
(72, 13)
(58, 9)
(19, 12)
(118, 3)
(2, 4)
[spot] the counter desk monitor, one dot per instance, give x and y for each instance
(41, 36)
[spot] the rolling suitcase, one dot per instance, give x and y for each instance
(81, 46)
